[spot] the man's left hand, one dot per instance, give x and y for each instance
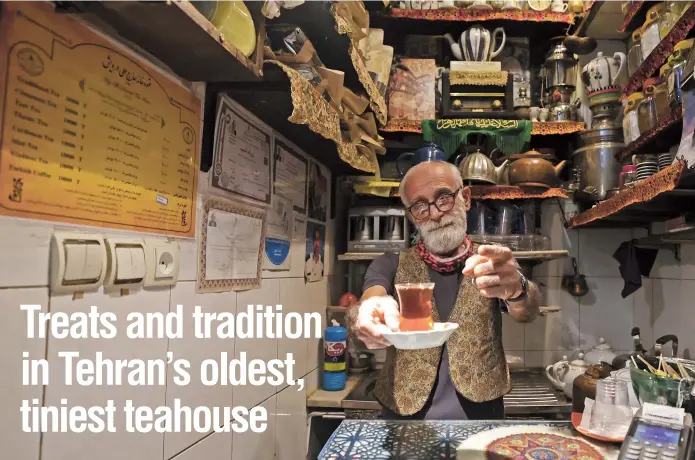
(495, 272)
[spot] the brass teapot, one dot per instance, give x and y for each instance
(478, 167)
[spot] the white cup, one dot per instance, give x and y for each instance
(534, 113)
(558, 6)
(544, 114)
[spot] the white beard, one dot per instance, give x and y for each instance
(448, 234)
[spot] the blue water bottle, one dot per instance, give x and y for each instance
(334, 370)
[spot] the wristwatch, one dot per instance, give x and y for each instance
(524, 290)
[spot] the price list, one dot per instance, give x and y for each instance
(91, 133)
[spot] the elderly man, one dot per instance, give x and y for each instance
(468, 377)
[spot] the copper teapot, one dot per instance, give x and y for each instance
(534, 169)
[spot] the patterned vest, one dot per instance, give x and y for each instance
(476, 358)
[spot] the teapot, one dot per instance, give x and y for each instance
(477, 44)
(479, 167)
(428, 152)
(602, 72)
(533, 168)
(600, 353)
(562, 373)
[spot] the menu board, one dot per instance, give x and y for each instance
(241, 155)
(91, 133)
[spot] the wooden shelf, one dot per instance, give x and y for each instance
(470, 15)
(540, 128)
(539, 256)
(654, 199)
(663, 50)
(178, 35)
(658, 139)
(478, 192)
(316, 19)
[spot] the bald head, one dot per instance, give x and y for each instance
(426, 179)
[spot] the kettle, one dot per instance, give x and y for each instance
(478, 167)
(477, 44)
(563, 373)
(428, 152)
(575, 284)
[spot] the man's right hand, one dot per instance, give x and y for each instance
(375, 316)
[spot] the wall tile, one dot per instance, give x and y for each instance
(312, 381)
(545, 358)
(188, 260)
(666, 265)
(604, 313)
(512, 333)
(264, 349)
(318, 301)
(15, 444)
(250, 445)
(295, 298)
(217, 446)
(196, 350)
(111, 446)
(643, 306)
(596, 249)
(27, 243)
(673, 313)
(555, 331)
(553, 226)
(291, 424)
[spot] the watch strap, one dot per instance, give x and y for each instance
(524, 290)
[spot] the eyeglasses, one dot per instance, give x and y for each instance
(443, 203)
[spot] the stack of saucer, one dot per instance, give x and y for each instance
(646, 169)
(665, 160)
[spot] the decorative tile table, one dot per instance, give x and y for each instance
(411, 440)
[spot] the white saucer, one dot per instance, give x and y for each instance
(418, 340)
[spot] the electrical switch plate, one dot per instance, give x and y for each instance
(162, 261)
(77, 261)
(126, 263)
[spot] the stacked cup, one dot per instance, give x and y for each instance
(647, 165)
(665, 160)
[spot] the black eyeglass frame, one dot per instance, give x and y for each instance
(430, 203)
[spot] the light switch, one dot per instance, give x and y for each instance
(94, 261)
(126, 263)
(75, 256)
(137, 257)
(77, 262)
(123, 264)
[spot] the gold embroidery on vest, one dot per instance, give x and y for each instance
(476, 358)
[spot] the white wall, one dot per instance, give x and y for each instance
(663, 305)
(24, 252)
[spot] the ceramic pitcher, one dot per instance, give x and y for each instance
(477, 44)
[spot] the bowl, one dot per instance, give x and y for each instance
(662, 390)
(418, 340)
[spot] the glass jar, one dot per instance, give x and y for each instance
(631, 131)
(651, 35)
(627, 175)
(646, 111)
(661, 99)
(677, 62)
(634, 56)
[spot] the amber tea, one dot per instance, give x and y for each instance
(415, 300)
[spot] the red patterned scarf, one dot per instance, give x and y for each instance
(445, 264)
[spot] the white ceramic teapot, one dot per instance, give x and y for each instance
(562, 373)
(603, 71)
(477, 44)
(600, 353)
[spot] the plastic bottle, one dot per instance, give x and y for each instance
(334, 369)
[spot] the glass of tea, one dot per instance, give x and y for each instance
(415, 300)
